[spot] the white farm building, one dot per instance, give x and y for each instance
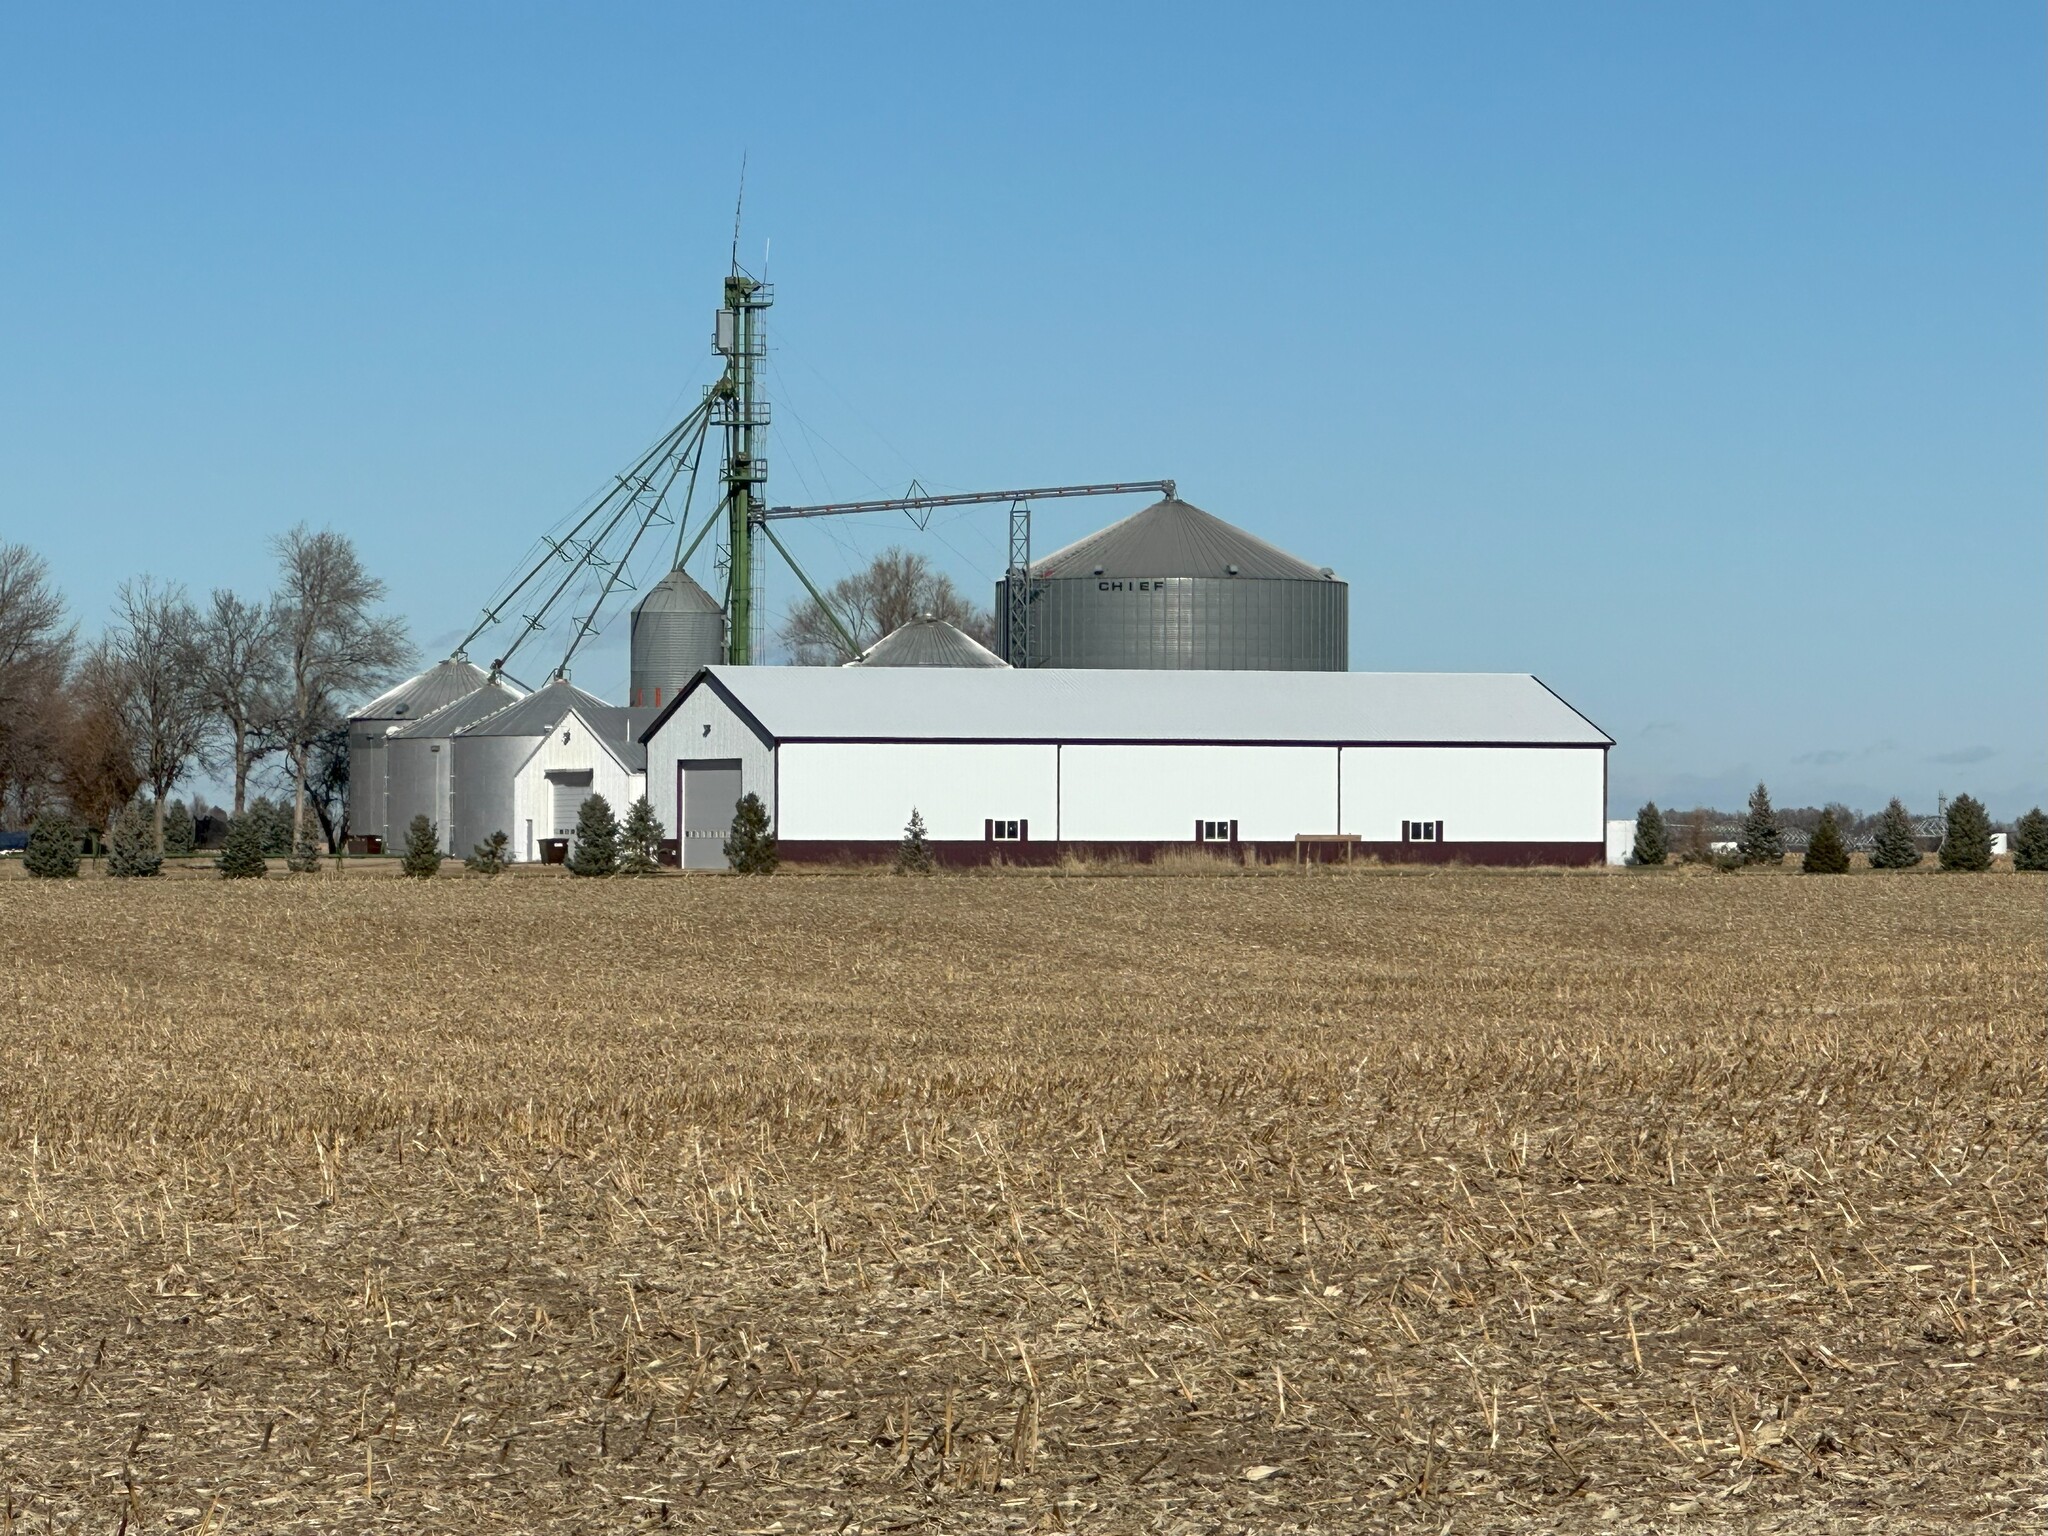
(584, 754)
(1026, 765)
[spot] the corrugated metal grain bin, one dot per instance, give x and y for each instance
(486, 757)
(417, 761)
(1173, 587)
(678, 629)
(440, 685)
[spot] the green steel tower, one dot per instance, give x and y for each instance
(736, 404)
(741, 337)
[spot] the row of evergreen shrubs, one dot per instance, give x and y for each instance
(603, 846)
(1966, 845)
(270, 820)
(53, 852)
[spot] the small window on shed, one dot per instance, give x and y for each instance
(1002, 831)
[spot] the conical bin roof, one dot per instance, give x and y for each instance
(467, 710)
(677, 592)
(540, 710)
(928, 641)
(440, 685)
(1175, 538)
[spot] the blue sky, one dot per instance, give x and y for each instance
(1691, 358)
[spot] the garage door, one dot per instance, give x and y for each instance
(567, 790)
(711, 788)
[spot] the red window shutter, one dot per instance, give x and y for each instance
(988, 830)
(1233, 829)
(1023, 831)
(1198, 829)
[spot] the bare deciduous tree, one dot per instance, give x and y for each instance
(155, 645)
(241, 674)
(98, 772)
(897, 586)
(327, 782)
(334, 647)
(35, 654)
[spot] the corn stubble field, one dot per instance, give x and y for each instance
(1434, 1202)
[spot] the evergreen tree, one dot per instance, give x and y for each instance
(52, 847)
(273, 825)
(180, 835)
(914, 853)
(750, 850)
(131, 850)
(492, 856)
(241, 855)
(2030, 841)
(1759, 841)
(1893, 846)
(305, 858)
(1652, 844)
(595, 849)
(640, 840)
(1826, 853)
(1967, 843)
(422, 849)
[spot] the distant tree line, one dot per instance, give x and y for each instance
(1797, 823)
(96, 736)
(1962, 836)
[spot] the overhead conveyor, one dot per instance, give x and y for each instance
(595, 554)
(583, 568)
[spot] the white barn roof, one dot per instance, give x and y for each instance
(1074, 705)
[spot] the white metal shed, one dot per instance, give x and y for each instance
(1484, 767)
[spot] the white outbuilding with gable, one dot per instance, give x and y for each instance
(1026, 765)
(571, 763)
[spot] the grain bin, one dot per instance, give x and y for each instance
(1175, 587)
(678, 629)
(417, 757)
(440, 685)
(486, 756)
